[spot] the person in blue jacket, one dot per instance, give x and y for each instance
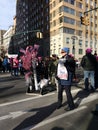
(65, 84)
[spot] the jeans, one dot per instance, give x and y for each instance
(15, 71)
(89, 75)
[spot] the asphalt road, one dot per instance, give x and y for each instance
(19, 111)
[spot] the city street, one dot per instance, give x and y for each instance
(19, 111)
(47, 46)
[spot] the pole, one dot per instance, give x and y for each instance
(90, 10)
(35, 74)
(21, 33)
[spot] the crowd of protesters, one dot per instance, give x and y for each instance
(47, 66)
(11, 65)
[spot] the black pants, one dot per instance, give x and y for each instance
(68, 95)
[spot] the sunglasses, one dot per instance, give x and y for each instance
(63, 52)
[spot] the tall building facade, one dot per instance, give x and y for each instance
(59, 21)
(66, 29)
(7, 38)
(32, 16)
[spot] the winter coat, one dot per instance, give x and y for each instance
(89, 62)
(69, 63)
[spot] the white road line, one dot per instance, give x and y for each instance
(13, 115)
(31, 98)
(89, 99)
(26, 99)
(57, 117)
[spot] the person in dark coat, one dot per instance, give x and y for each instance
(89, 63)
(65, 82)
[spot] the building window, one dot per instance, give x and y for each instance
(86, 43)
(79, 5)
(61, 30)
(54, 23)
(91, 44)
(80, 33)
(70, 1)
(69, 30)
(69, 20)
(69, 10)
(60, 9)
(80, 51)
(60, 1)
(50, 6)
(66, 0)
(53, 13)
(67, 40)
(54, 4)
(50, 16)
(47, 10)
(47, 1)
(47, 18)
(80, 42)
(47, 27)
(60, 19)
(80, 14)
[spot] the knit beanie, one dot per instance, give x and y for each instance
(88, 50)
(65, 49)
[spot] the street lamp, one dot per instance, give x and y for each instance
(74, 38)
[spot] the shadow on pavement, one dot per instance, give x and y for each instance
(80, 96)
(57, 128)
(93, 125)
(4, 88)
(41, 114)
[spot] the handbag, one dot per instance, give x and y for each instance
(62, 72)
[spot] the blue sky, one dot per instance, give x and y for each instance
(7, 12)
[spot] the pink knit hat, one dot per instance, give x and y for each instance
(88, 50)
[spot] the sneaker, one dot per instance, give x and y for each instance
(86, 89)
(69, 109)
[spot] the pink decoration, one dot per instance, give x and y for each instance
(29, 54)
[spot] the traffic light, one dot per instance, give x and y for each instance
(83, 20)
(87, 21)
(39, 35)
